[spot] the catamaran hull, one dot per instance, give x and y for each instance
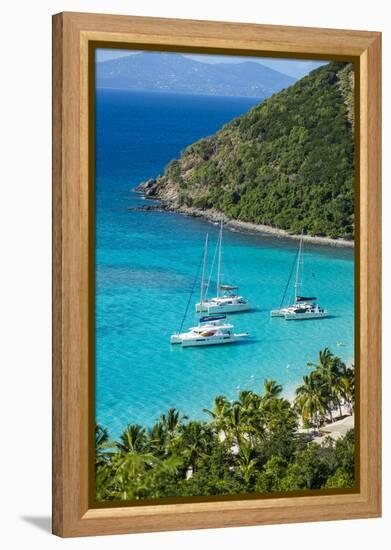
(176, 339)
(306, 315)
(229, 308)
(215, 341)
(278, 313)
(291, 315)
(304, 307)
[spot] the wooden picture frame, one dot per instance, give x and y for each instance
(73, 514)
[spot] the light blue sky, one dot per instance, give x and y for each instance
(292, 67)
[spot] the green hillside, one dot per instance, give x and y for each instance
(287, 163)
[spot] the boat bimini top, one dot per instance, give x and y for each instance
(305, 298)
(211, 318)
(228, 288)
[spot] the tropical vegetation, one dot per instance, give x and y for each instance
(287, 163)
(259, 443)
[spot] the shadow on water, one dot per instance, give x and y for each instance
(44, 523)
(317, 319)
(252, 310)
(248, 342)
(279, 319)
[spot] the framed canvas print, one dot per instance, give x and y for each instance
(216, 268)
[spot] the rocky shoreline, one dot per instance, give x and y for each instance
(149, 189)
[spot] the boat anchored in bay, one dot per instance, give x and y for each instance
(303, 307)
(211, 329)
(227, 299)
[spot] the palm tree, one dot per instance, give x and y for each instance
(310, 400)
(194, 442)
(235, 423)
(324, 358)
(132, 440)
(347, 387)
(252, 415)
(130, 464)
(271, 389)
(172, 421)
(329, 371)
(102, 445)
(134, 463)
(280, 415)
(129, 478)
(158, 439)
(219, 413)
(247, 461)
(248, 400)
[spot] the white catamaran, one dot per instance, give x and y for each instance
(227, 299)
(212, 329)
(303, 307)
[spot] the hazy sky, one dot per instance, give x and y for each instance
(292, 67)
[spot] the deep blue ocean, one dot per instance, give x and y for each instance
(146, 263)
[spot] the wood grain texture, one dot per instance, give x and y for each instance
(57, 461)
(72, 34)
(370, 268)
(211, 34)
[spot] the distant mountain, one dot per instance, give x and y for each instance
(165, 72)
(292, 67)
(287, 163)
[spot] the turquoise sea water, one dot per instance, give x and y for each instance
(146, 263)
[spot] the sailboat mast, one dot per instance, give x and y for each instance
(203, 272)
(219, 261)
(298, 267)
